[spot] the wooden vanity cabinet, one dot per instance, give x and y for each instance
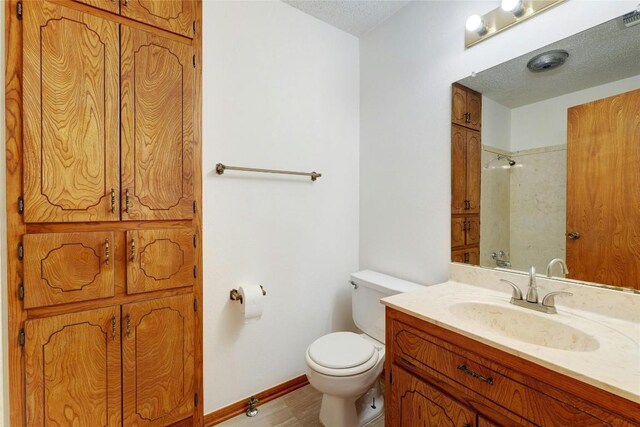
(466, 256)
(455, 375)
(466, 107)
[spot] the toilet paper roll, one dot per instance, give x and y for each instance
(252, 302)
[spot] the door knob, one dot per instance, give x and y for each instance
(574, 235)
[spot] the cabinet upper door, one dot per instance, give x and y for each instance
(157, 127)
(72, 369)
(159, 259)
(158, 364)
(67, 267)
(459, 200)
(71, 101)
(473, 171)
(172, 15)
(109, 5)
(459, 106)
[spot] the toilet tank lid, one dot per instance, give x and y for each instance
(382, 283)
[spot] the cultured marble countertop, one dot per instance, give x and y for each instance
(614, 366)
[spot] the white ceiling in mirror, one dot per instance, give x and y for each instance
(603, 54)
(355, 17)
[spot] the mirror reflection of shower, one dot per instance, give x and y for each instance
(500, 158)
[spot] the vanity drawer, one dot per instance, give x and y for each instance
(500, 385)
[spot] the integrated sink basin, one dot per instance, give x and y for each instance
(529, 327)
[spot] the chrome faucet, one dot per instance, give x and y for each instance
(563, 267)
(532, 290)
(548, 304)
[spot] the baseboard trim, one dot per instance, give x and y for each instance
(223, 414)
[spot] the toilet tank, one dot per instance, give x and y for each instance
(368, 312)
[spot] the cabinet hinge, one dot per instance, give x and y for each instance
(21, 337)
(20, 205)
(195, 271)
(20, 251)
(195, 399)
(19, 10)
(20, 291)
(195, 207)
(195, 304)
(194, 61)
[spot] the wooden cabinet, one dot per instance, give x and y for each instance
(466, 107)
(465, 170)
(157, 126)
(160, 259)
(158, 382)
(461, 377)
(72, 369)
(112, 6)
(415, 403)
(466, 256)
(71, 102)
(465, 231)
(172, 15)
(67, 267)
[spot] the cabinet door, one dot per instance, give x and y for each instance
(112, 6)
(483, 422)
(71, 101)
(171, 15)
(67, 267)
(158, 364)
(458, 231)
(474, 110)
(157, 127)
(459, 106)
(473, 152)
(458, 170)
(473, 231)
(159, 259)
(474, 256)
(415, 403)
(72, 369)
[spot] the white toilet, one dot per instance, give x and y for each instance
(345, 366)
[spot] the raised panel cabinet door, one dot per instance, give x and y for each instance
(158, 362)
(473, 231)
(473, 153)
(160, 259)
(108, 5)
(474, 110)
(474, 256)
(458, 170)
(61, 268)
(458, 231)
(459, 106)
(71, 101)
(172, 15)
(157, 127)
(415, 403)
(72, 369)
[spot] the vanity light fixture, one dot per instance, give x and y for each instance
(510, 13)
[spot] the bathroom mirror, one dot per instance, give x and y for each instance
(560, 160)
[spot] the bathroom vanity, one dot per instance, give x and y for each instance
(453, 359)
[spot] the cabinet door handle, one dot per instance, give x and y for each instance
(574, 235)
(468, 371)
(126, 200)
(466, 257)
(107, 252)
(467, 117)
(133, 250)
(113, 328)
(113, 200)
(128, 324)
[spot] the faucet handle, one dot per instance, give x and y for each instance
(549, 299)
(517, 293)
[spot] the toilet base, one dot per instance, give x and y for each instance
(352, 412)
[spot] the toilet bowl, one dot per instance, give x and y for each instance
(344, 366)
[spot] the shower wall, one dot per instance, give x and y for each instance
(494, 210)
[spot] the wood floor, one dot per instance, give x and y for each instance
(300, 408)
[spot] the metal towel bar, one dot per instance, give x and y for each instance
(220, 168)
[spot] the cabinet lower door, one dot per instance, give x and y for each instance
(158, 362)
(417, 404)
(72, 368)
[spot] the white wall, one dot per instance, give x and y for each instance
(281, 90)
(408, 65)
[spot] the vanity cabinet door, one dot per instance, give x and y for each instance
(171, 15)
(72, 369)
(71, 101)
(158, 364)
(157, 127)
(415, 403)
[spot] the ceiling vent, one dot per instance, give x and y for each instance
(547, 60)
(632, 18)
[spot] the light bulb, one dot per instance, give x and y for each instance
(476, 24)
(514, 6)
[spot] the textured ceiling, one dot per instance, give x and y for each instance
(355, 17)
(600, 55)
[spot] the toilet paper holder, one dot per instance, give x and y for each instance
(234, 295)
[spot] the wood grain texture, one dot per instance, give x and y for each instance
(160, 259)
(564, 400)
(158, 361)
(157, 81)
(603, 201)
(473, 230)
(458, 170)
(416, 404)
(472, 159)
(458, 231)
(483, 422)
(72, 366)
(458, 105)
(171, 15)
(68, 267)
(474, 108)
(71, 103)
(237, 408)
(112, 6)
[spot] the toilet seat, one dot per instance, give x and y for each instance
(342, 354)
